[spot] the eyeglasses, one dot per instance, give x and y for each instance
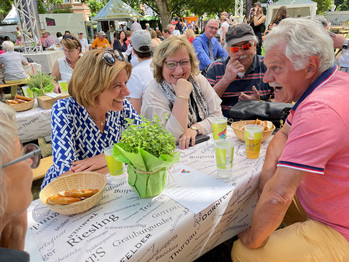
(109, 58)
(30, 151)
(235, 49)
(172, 65)
(213, 28)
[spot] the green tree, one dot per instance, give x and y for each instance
(323, 5)
(5, 7)
(344, 6)
(95, 6)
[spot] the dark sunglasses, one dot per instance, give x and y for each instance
(110, 58)
(69, 37)
(235, 49)
(30, 151)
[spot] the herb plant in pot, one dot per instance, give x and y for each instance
(149, 150)
(40, 84)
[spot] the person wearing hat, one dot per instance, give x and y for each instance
(83, 41)
(101, 42)
(207, 47)
(142, 74)
(240, 75)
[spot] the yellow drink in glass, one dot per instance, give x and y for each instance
(115, 167)
(253, 139)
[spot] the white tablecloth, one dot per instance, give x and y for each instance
(46, 59)
(123, 227)
(33, 124)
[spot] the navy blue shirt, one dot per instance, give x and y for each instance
(253, 77)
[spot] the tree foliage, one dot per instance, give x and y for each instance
(323, 5)
(95, 6)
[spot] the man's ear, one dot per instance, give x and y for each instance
(312, 66)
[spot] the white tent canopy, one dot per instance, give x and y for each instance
(11, 17)
(114, 10)
(295, 8)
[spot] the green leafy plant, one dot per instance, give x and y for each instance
(41, 83)
(149, 150)
(150, 135)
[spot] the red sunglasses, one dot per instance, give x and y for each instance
(235, 49)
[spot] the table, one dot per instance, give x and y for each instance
(46, 59)
(33, 124)
(123, 227)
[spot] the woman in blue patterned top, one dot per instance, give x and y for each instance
(93, 118)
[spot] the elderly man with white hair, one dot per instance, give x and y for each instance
(12, 62)
(304, 181)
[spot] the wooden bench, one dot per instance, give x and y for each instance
(41, 170)
(13, 87)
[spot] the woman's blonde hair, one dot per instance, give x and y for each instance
(167, 48)
(92, 76)
(189, 33)
(71, 42)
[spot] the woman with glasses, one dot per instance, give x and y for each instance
(63, 67)
(15, 186)
(93, 118)
(179, 93)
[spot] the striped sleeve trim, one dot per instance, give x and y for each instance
(301, 167)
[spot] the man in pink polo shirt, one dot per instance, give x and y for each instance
(305, 178)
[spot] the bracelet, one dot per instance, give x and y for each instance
(184, 97)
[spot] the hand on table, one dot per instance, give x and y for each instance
(254, 96)
(183, 88)
(187, 139)
(247, 240)
(89, 164)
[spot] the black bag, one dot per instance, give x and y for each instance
(253, 109)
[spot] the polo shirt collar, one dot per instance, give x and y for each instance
(321, 80)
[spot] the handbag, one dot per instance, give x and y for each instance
(253, 109)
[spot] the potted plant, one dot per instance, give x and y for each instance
(40, 84)
(149, 150)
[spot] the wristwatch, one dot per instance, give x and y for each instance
(196, 129)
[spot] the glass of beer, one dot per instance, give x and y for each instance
(253, 139)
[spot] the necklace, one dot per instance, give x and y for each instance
(99, 122)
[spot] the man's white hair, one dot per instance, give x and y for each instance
(303, 38)
(8, 133)
(8, 45)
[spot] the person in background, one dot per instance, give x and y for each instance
(202, 44)
(223, 30)
(179, 93)
(135, 25)
(171, 28)
(120, 41)
(42, 39)
(19, 40)
(279, 16)
(159, 34)
(166, 33)
(190, 35)
(240, 75)
(67, 32)
(63, 67)
(147, 27)
(59, 37)
(304, 181)
(257, 19)
(101, 42)
(13, 64)
(142, 74)
(83, 42)
(49, 41)
(93, 118)
(155, 41)
(15, 187)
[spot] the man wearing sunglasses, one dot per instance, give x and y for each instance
(207, 46)
(240, 75)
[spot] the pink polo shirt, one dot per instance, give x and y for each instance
(318, 143)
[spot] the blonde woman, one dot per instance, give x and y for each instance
(93, 118)
(180, 92)
(155, 41)
(190, 35)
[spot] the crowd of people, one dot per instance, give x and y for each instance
(186, 80)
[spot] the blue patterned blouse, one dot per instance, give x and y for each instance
(75, 136)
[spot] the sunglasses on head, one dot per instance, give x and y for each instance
(235, 49)
(30, 151)
(110, 58)
(69, 37)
